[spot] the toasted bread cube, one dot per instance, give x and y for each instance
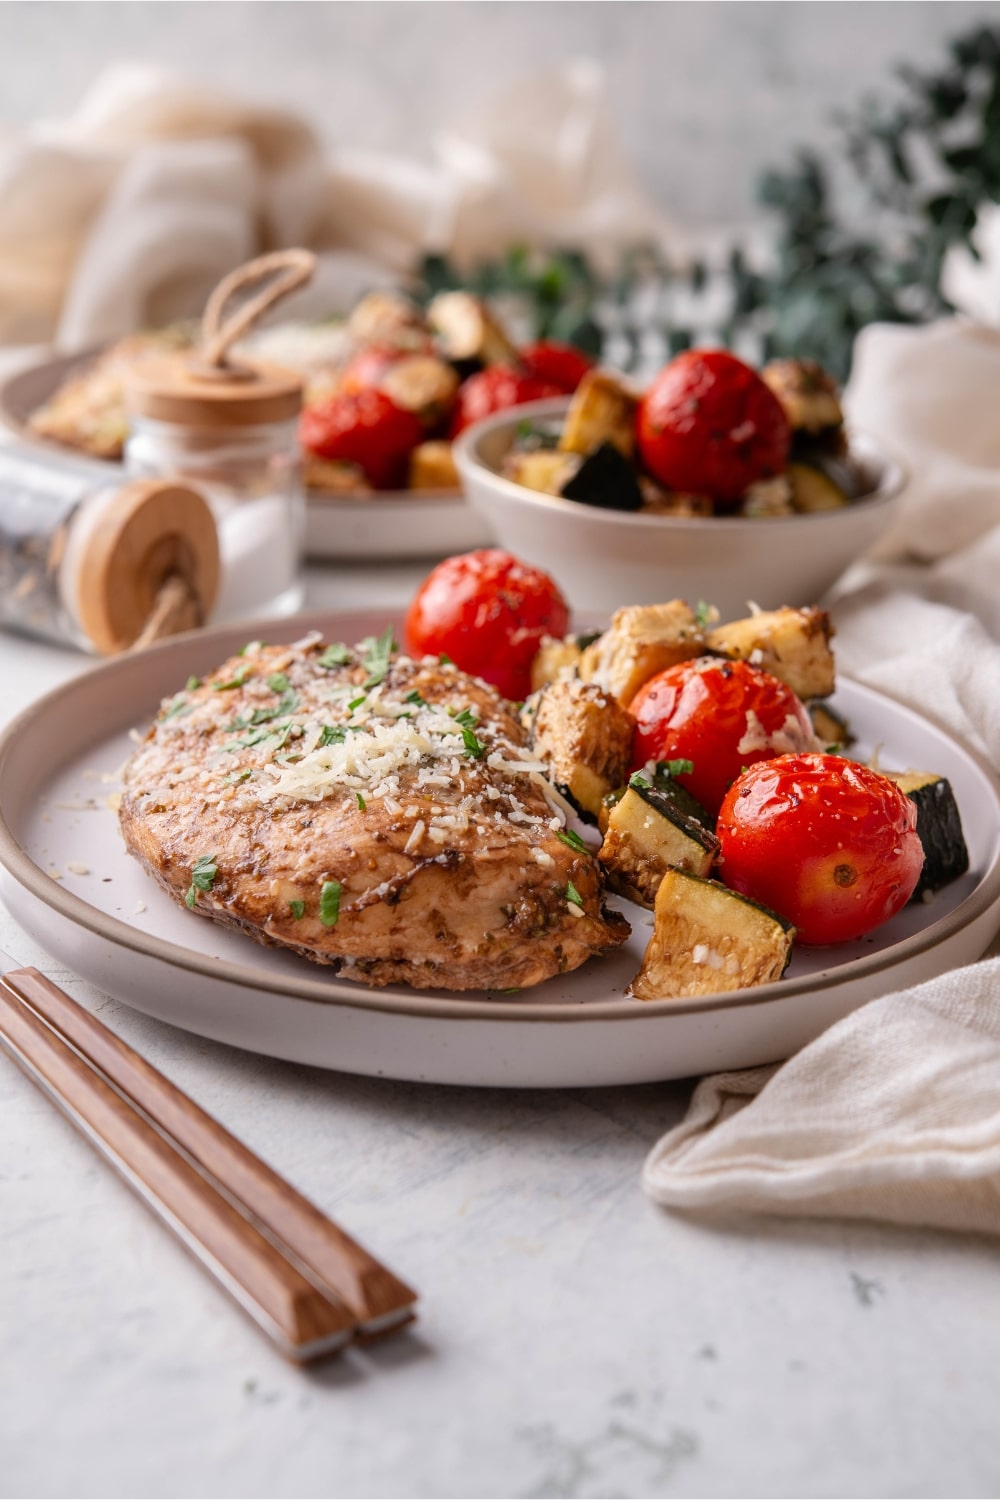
(648, 834)
(792, 644)
(642, 639)
(602, 411)
(707, 939)
(584, 738)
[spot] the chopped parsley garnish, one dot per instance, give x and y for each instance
(376, 654)
(572, 840)
(203, 873)
(573, 895)
(834, 749)
(177, 707)
(289, 703)
(329, 902)
(362, 804)
(466, 719)
(704, 614)
(444, 660)
(236, 681)
(356, 703)
(258, 736)
(472, 745)
(336, 655)
(297, 909)
(639, 781)
(278, 682)
(251, 648)
(192, 683)
(333, 734)
(236, 777)
(671, 768)
(416, 698)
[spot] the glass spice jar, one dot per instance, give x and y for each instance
(230, 428)
(97, 566)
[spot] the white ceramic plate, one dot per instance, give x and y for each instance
(66, 878)
(391, 526)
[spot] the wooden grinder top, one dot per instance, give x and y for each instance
(147, 565)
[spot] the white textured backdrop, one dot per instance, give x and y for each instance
(705, 95)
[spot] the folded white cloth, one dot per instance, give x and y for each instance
(127, 213)
(894, 1113)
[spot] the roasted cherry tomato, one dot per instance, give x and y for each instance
(829, 845)
(560, 365)
(488, 613)
(709, 425)
(495, 389)
(365, 370)
(719, 715)
(363, 428)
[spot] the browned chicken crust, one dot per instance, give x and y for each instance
(381, 815)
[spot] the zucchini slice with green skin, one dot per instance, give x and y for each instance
(647, 835)
(708, 939)
(939, 829)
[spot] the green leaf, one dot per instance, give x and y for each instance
(332, 734)
(297, 909)
(177, 707)
(362, 804)
(236, 681)
(278, 682)
(639, 781)
(335, 655)
(329, 902)
(573, 895)
(672, 768)
(203, 873)
(573, 841)
(192, 683)
(473, 746)
(376, 655)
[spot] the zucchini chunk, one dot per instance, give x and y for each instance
(791, 644)
(467, 331)
(605, 478)
(432, 467)
(707, 939)
(814, 490)
(602, 410)
(647, 835)
(830, 728)
(557, 658)
(540, 469)
(583, 737)
(806, 392)
(642, 639)
(939, 829)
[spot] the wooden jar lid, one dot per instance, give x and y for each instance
(190, 393)
(148, 548)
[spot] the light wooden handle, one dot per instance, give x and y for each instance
(285, 270)
(301, 1319)
(378, 1300)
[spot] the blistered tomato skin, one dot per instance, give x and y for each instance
(709, 425)
(365, 428)
(560, 365)
(495, 389)
(720, 715)
(488, 612)
(829, 845)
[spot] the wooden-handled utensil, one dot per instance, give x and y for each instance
(304, 1280)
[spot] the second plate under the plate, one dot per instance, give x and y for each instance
(66, 878)
(403, 525)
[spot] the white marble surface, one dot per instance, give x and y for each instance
(573, 1340)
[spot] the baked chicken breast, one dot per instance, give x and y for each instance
(378, 814)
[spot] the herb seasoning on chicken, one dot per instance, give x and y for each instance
(371, 812)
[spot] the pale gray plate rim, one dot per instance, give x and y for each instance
(194, 648)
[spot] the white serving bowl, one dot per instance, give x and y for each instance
(603, 559)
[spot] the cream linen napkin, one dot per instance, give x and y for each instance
(127, 212)
(894, 1113)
